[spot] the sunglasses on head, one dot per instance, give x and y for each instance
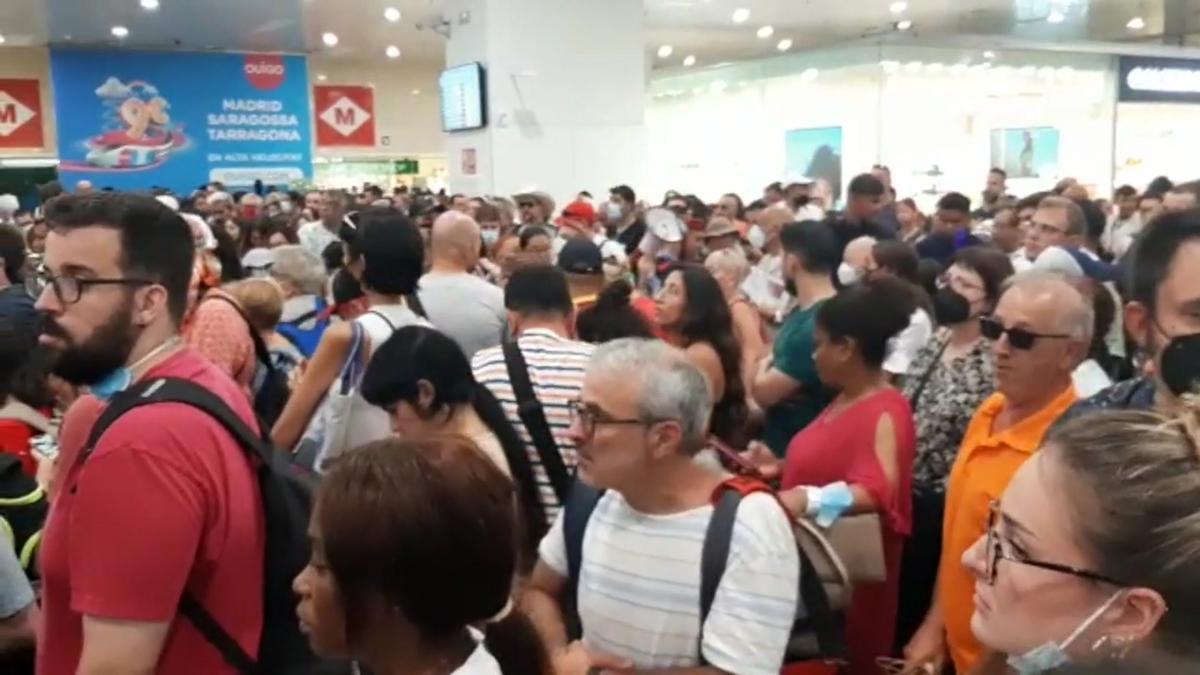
(1019, 338)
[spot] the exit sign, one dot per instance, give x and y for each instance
(406, 167)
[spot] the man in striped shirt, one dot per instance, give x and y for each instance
(542, 317)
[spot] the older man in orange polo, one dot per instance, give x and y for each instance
(1040, 331)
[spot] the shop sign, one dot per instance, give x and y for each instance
(1158, 80)
(20, 114)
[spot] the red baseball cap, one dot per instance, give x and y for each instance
(579, 211)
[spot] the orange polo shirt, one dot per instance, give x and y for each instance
(985, 464)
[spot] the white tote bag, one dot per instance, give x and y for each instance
(330, 426)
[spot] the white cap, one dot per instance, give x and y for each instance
(169, 202)
(9, 204)
(201, 232)
(664, 224)
(1057, 259)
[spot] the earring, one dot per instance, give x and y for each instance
(1117, 647)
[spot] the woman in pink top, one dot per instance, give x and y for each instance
(858, 454)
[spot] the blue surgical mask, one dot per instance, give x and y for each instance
(1053, 655)
(120, 379)
(612, 212)
(756, 237)
(490, 237)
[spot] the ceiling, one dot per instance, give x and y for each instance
(700, 28)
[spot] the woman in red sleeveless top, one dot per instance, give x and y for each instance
(865, 441)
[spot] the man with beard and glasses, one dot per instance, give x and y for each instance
(166, 503)
(786, 384)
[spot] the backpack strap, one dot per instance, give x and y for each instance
(174, 390)
(533, 416)
(577, 511)
(819, 617)
(261, 353)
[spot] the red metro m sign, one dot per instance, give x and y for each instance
(345, 116)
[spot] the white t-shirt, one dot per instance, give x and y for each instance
(1090, 379)
(315, 237)
(481, 662)
(639, 586)
(903, 347)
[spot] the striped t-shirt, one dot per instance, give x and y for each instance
(639, 586)
(556, 370)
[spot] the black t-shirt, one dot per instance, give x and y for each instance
(847, 231)
(632, 236)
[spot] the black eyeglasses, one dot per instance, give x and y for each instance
(525, 205)
(1019, 338)
(995, 552)
(69, 290)
(589, 417)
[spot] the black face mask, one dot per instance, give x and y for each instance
(1180, 365)
(950, 307)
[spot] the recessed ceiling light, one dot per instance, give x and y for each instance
(320, 77)
(2, 39)
(989, 54)
(689, 61)
(149, 4)
(1055, 16)
(741, 15)
(120, 31)
(809, 74)
(898, 7)
(766, 32)
(393, 52)
(784, 44)
(329, 39)
(391, 14)
(904, 24)
(1136, 23)
(416, 92)
(665, 51)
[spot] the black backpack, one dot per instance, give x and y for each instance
(287, 496)
(23, 508)
(272, 394)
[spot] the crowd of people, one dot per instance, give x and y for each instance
(513, 438)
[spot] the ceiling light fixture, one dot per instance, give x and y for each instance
(765, 32)
(149, 5)
(320, 77)
(665, 51)
(392, 51)
(120, 31)
(1136, 23)
(904, 24)
(741, 15)
(989, 54)
(898, 7)
(391, 14)
(329, 39)
(416, 92)
(784, 44)
(809, 74)
(1, 39)
(1055, 16)
(689, 60)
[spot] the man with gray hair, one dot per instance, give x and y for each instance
(1040, 332)
(1058, 221)
(301, 277)
(642, 417)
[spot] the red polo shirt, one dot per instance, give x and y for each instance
(167, 501)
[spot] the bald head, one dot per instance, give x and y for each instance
(858, 252)
(83, 187)
(454, 241)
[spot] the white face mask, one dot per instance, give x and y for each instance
(756, 237)
(848, 275)
(612, 212)
(1053, 655)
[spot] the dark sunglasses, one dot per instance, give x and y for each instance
(525, 205)
(1019, 338)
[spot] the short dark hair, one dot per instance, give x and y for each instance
(612, 317)
(992, 265)
(866, 185)
(954, 201)
(1094, 218)
(12, 250)
(899, 258)
(530, 231)
(487, 213)
(1125, 191)
(538, 290)
(814, 243)
(869, 313)
(156, 243)
(392, 250)
(1160, 186)
(625, 192)
(1152, 257)
(374, 190)
(1032, 201)
(774, 187)
(756, 205)
(999, 172)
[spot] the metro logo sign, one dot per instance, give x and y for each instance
(345, 116)
(20, 114)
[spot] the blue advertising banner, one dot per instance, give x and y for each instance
(137, 120)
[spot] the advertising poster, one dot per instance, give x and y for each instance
(1031, 152)
(345, 116)
(21, 114)
(138, 120)
(816, 154)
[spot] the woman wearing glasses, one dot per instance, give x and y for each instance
(947, 381)
(1088, 563)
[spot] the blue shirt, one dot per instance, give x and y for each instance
(1135, 394)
